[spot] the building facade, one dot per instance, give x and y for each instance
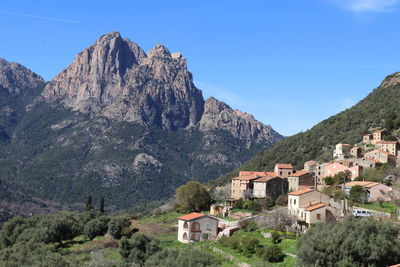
(196, 227)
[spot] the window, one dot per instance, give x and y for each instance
(318, 216)
(301, 214)
(290, 201)
(294, 200)
(208, 226)
(280, 173)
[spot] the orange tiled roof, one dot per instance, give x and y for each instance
(311, 162)
(244, 173)
(374, 160)
(246, 177)
(315, 206)
(284, 166)
(191, 216)
(266, 178)
(362, 183)
(379, 131)
(386, 153)
(299, 173)
(386, 142)
(306, 186)
(300, 192)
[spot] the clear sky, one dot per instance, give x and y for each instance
(291, 63)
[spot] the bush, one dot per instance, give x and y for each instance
(189, 257)
(96, 227)
(139, 248)
(251, 205)
(117, 225)
(251, 227)
(239, 203)
(276, 237)
(272, 253)
(193, 196)
(250, 245)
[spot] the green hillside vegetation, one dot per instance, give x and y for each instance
(62, 156)
(318, 142)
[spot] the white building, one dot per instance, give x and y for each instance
(197, 227)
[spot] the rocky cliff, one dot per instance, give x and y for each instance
(15, 78)
(218, 115)
(115, 78)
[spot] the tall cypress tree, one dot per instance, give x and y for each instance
(89, 205)
(101, 206)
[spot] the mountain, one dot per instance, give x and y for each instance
(117, 122)
(318, 142)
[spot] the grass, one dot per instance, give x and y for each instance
(387, 207)
(170, 218)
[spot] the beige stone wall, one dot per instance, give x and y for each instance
(259, 189)
(312, 216)
(236, 191)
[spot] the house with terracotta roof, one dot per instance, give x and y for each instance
(388, 146)
(342, 151)
(243, 185)
(376, 191)
(331, 169)
(195, 227)
(367, 163)
(283, 169)
(310, 166)
(382, 156)
(309, 206)
(301, 179)
(270, 186)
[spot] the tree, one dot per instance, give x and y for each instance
(271, 253)
(89, 205)
(389, 122)
(96, 227)
(357, 194)
(117, 225)
(187, 257)
(354, 242)
(139, 248)
(101, 205)
(193, 196)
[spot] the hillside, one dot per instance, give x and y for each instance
(118, 122)
(345, 127)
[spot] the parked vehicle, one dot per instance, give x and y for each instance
(361, 213)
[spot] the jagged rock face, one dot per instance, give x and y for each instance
(115, 78)
(391, 80)
(218, 115)
(15, 78)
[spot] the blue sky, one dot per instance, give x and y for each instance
(291, 63)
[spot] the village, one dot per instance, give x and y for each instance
(321, 192)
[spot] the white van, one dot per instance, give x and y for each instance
(361, 213)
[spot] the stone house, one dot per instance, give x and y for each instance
(382, 156)
(283, 170)
(377, 136)
(270, 187)
(195, 227)
(319, 172)
(243, 185)
(368, 138)
(376, 191)
(341, 151)
(301, 179)
(356, 152)
(367, 163)
(310, 166)
(309, 206)
(388, 146)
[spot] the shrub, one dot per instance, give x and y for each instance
(139, 248)
(239, 203)
(250, 245)
(96, 227)
(251, 205)
(251, 227)
(272, 253)
(117, 225)
(276, 237)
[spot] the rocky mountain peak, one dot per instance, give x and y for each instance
(116, 79)
(391, 80)
(16, 78)
(159, 51)
(220, 116)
